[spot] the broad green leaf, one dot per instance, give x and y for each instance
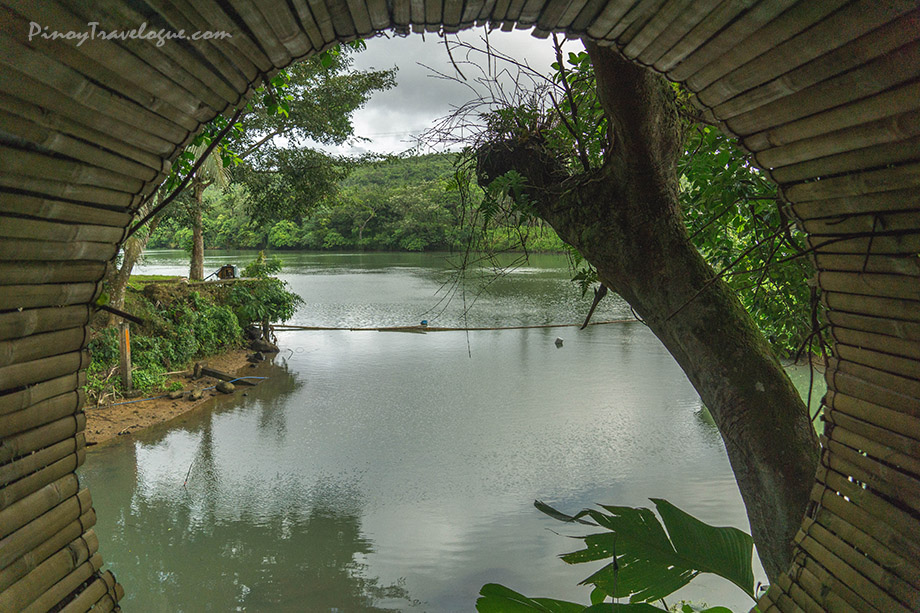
(726, 552)
(650, 563)
(497, 598)
(610, 607)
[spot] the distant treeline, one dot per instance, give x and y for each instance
(401, 204)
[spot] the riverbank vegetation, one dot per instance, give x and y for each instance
(183, 322)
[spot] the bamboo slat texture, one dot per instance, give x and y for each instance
(825, 94)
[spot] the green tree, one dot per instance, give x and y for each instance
(597, 156)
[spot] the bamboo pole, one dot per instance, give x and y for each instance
(876, 342)
(67, 190)
(23, 398)
(33, 462)
(842, 41)
(799, 595)
(583, 18)
(43, 250)
(843, 575)
(20, 489)
(16, 297)
(29, 588)
(103, 587)
(821, 586)
(734, 26)
(881, 581)
(233, 65)
(36, 532)
(900, 264)
(57, 210)
(898, 100)
(42, 345)
(44, 96)
(855, 432)
(63, 124)
(66, 586)
(878, 202)
(782, 26)
(891, 483)
(871, 284)
(361, 18)
(890, 129)
(124, 354)
(42, 413)
(847, 401)
(33, 273)
(284, 26)
(905, 369)
(886, 544)
(874, 385)
(876, 156)
(179, 65)
(848, 323)
(551, 18)
(24, 564)
(109, 64)
(37, 503)
(214, 17)
(36, 371)
(665, 19)
(74, 86)
(26, 163)
(885, 221)
(62, 144)
(34, 229)
(891, 70)
(870, 502)
(871, 306)
(309, 24)
(693, 24)
(43, 436)
(19, 324)
(607, 19)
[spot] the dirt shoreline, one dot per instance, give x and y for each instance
(106, 422)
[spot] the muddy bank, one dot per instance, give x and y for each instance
(106, 422)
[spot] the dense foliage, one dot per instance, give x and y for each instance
(731, 210)
(184, 322)
(649, 560)
(179, 327)
(396, 204)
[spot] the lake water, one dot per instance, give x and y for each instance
(396, 472)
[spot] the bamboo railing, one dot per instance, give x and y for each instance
(825, 94)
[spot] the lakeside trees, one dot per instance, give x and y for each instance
(621, 210)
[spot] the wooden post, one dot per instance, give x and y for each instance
(124, 351)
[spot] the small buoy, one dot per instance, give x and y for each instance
(558, 342)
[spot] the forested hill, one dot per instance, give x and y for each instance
(400, 204)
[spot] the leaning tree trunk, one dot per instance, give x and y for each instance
(131, 253)
(196, 265)
(625, 220)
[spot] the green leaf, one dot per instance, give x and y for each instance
(649, 563)
(500, 599)
(726, 552)
(611, 607)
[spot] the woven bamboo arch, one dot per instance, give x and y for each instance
(826, 93)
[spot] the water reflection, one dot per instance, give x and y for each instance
(233, 538)
(386, 470)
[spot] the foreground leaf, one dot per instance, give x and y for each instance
(500, 599)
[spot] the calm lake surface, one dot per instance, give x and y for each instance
(396, 472)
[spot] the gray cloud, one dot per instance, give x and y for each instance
(392, 118)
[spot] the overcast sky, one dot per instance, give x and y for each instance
(393, 117)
